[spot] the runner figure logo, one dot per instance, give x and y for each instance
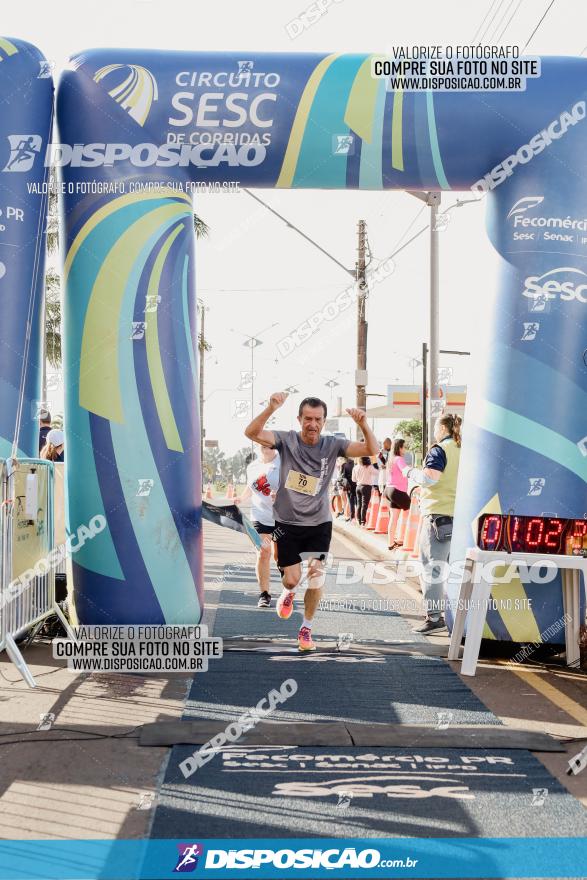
(188, 857)
(537, 484)
(343, 144)
(23, 150)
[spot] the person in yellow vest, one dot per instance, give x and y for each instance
(438, 484)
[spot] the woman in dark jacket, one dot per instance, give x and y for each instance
(348, 485)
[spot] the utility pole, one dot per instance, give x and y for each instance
(362, 292)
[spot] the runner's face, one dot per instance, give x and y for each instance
(312, 422)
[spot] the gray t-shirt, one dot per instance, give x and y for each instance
(306, 471)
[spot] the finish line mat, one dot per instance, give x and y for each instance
(305, 733)
(350, 791)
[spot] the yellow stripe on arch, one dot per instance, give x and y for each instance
(397, 154)
(360, 108)
(116, 205)
(125, 90)
(99, 382)
(160, 393)
(7, 47)
(290, 160)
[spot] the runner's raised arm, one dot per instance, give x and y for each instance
(256, 429)
(369, 446)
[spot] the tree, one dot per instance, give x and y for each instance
(203, 344)
(53, 318)
(201, 228)
(239, 464)
(213, 463)
(411, 431)
(52, 229)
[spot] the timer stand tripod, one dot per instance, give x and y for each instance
(476, 591)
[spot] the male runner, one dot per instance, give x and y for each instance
(303, 520)
(262, 484)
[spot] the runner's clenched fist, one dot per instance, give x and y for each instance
(277, 399)
(358, 416)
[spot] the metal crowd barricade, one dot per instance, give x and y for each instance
(27, 570)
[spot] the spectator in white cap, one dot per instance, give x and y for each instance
(53, 448)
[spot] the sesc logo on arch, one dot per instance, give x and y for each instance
(565, 283)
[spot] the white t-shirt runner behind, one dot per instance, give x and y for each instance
(263, 479)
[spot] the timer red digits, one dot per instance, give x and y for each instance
(533, 534)
(491, 531)
(552, 538)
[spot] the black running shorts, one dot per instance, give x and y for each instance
(399, 500)
(293, 541)
(262, 529)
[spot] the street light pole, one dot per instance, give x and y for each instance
(361, 320)
(253, 342)
(433, 345)
(427, 434)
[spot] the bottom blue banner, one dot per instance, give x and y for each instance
(559, 857)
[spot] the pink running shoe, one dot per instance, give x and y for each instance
(305, 643)
(284, 605)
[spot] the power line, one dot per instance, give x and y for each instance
(491, 5)
(514, 13)
(409, 226)
(456, 204)
(490, 23)
(498, 25)
(303, 234)
(551, 4)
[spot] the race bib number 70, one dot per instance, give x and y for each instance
(303, 483)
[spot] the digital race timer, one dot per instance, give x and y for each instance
(532, 534)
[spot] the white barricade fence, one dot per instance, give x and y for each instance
(59, 533)
(28, 560)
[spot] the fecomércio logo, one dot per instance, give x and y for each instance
(187, 860)
(565, 283)
(23, 151)
(135, 88)
(524, 204)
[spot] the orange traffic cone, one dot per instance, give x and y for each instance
(411, 525)
(373, 510)
(416, 551)
(382, 523)
(230, 493)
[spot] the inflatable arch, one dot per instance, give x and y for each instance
(26, 98)
(139, 127)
